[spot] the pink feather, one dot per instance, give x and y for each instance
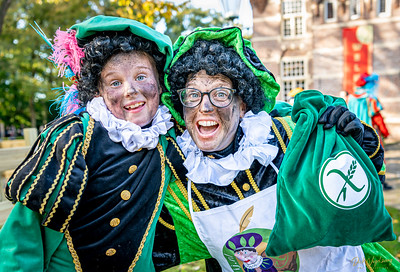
(66, 52)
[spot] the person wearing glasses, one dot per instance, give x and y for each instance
(223, 209)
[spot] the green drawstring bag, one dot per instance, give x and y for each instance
(328, 191)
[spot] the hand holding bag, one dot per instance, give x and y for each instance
(328, 191)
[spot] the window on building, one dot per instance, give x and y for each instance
(383, 7)
(293, 13)
(293, 73)
(330, 8)
(355, 9)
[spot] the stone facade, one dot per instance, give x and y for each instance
(320, 47)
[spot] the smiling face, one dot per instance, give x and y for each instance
(130, 88)
(212, 128)
(247, 256)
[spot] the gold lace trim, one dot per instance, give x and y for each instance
(85, 176)
(377, 136)
(88, 136)
(39, 150)
(53, 150)
(237, 190)
(85, 147)
(65, 183)
(183, 208)
(285, 126)
(176, 147)
(56, 180)
(160, 193)
(252, 182)
(199, 196)
(74, 255)
(278, 135)
(166, 224)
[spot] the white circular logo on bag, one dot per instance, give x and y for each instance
(343, 181)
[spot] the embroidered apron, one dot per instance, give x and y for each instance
(237, 235)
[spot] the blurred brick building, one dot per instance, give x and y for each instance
(305, 44)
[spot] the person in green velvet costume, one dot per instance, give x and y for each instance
(238, 148)
(88, 195)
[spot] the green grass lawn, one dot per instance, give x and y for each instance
(394, 246)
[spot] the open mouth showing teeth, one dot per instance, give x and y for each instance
(134, 106)
(206, 127)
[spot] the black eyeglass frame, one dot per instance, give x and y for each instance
(232, 92)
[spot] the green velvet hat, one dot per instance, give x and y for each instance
(230, 37)
(109, 23)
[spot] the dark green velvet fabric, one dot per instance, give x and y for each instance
(328, 191)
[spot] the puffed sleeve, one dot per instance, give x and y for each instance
(54, 174)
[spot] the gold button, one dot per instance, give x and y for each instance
(110, 251)
(125, 194)
(140, 149)
(211, 156)
(114, 222)
(246, 187)
(132, 169)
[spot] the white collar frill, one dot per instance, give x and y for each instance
(253, 146)
(131, 136)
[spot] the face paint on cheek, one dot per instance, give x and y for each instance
(150, 90)
(227, 116)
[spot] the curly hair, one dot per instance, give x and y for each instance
(215, 58)
(99, 48)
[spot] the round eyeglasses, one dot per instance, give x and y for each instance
(219, 97)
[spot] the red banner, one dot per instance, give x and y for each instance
(357, 44)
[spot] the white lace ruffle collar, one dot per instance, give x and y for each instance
(132, 136)
(253, 146)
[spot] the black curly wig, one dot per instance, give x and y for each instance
(215, 58)
(99, 48)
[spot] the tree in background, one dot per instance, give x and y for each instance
(27, 81)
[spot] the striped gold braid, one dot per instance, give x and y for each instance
(72, 250)
(22, 166)
(286, 126)
(237, 190)
(160, 193)
(39, 150)
(278, 135)
(184, 192)
(60, 171)
(200, 197)
(53, 150)
(166, 224)
(183, 208)
(88, 136)
(252, 182)
(85, 176)
(376, 134)
(179, 127)
(176, 147)
(65, 183)
(172, 168)
(85, 147)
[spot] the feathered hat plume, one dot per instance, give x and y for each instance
(66, 57)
